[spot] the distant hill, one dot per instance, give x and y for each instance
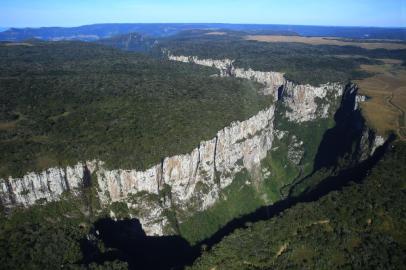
(129, 42)
(101, 31)
(95, 32)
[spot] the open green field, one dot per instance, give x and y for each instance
(371, 45)
(303, 60)
(385, 110)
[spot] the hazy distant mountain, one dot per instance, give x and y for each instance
(129, 42)
(96, 31)
(101, 31)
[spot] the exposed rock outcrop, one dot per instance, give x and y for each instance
(212, 164)
(48, 185)
(304, 102)
(271, 80)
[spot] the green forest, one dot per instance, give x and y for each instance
(62, 102)
(361, 226)
(53, 236)
(301, 63)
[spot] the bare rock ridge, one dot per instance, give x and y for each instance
(190, 181)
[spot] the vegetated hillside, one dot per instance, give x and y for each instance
(130, 42)
(369, 44)
(302, 63)
(53, 236)
(95, 31)
(361, 226)
(69, 101)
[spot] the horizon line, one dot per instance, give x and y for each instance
(220, 23)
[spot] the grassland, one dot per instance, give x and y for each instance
(328, 41)
(301, 63)
(386, 106)
(385, 87)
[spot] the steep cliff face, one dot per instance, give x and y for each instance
(305, 102)
(272, 81)
(350, 141)
(198, 176)
(189, 183)
(48, 185)
(195, 179)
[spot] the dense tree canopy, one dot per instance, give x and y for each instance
(68, 101)
(362, 226)
(302, 63)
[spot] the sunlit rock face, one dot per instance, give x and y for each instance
(306, 102)
(48, 185)
(271, 80)
(212, 165)
(198, 177)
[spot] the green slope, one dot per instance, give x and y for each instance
(360, 227)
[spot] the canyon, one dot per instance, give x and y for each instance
(193, 182)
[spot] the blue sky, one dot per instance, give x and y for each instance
(24, 13)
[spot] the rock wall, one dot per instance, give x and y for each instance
(305, 102)
(213, 164)
(271, 80)
(48, 185)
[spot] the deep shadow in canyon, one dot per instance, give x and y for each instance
(174, 252)
(343, 141)
(332, 183)
(140, 251)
